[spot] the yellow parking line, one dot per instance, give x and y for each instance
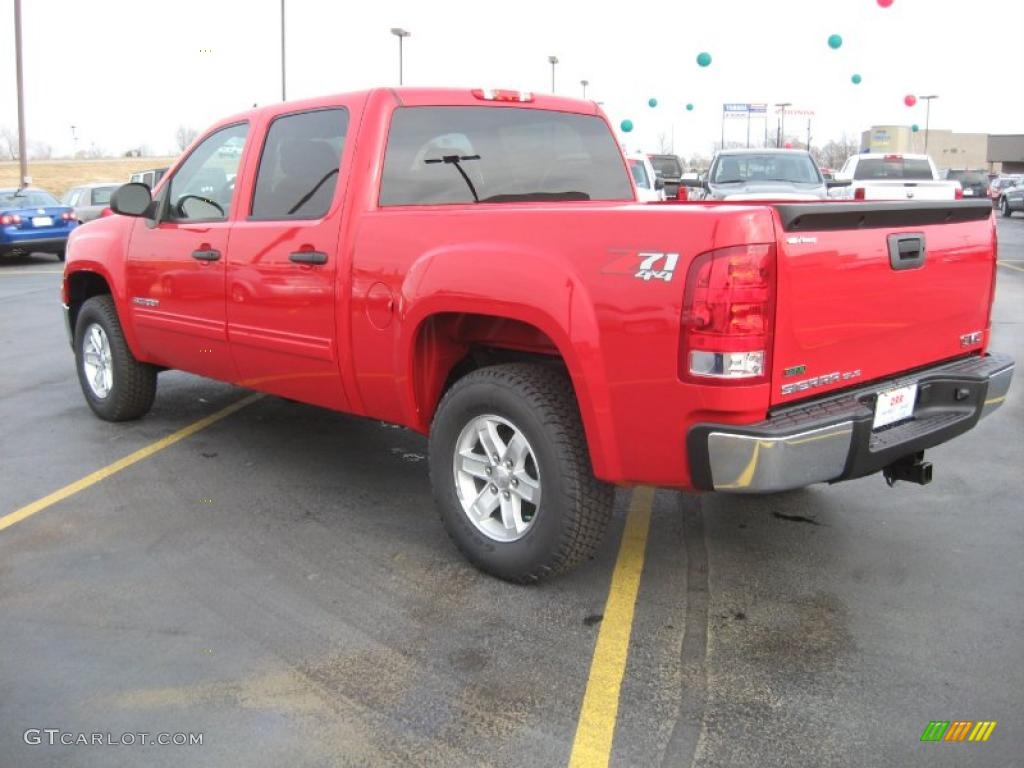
(1010, 266)
(143, 453)
(596, 727)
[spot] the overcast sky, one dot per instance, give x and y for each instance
(127, 72)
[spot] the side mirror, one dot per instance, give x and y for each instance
(659, 183)
(131, 199)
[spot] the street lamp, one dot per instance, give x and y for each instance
(552, 60)
(584, 83)
(23, 178)
(400, 34)
(927, 116)
(282, 51)
(782, 121)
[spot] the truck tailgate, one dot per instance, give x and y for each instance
(859, 299)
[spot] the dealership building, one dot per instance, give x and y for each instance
(976, 151)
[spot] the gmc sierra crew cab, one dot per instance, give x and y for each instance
(474, 265)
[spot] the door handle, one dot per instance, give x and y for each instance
(308, 257)
(209, 254)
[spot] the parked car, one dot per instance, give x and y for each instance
(1001, 183)
(32, 220)
(669, 168)
(973, 183)
(764, 174)
(506, 296)
(875, 176)
(90, 200)
(1011, 199)
(150, 178)
(649, 187)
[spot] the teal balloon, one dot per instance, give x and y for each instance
(915, 128)
(626, 126)
(834, 41)
(855, 79)
(689, 107)
(704, 59)
(652, 102)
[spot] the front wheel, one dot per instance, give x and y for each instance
(1004, 207)
(511, 473)
(116, 386)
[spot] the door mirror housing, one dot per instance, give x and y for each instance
(132, 199)
(659, 183)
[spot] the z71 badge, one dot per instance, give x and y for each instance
(645, 265)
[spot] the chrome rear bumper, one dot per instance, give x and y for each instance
(831, 438)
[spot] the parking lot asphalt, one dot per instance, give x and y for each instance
(279, 582)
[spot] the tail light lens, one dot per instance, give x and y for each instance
(683, 193)
(959, 193)
(860, 193)
(728, 315)
(10, 218)
(501, 94)
(68, 215)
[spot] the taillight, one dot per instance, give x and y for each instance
(68, 215)
(860, 193)
(959, 195)
(728, 315)
(10, 218)
(501, 94)
(683, 193)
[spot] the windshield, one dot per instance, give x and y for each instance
(893, 168)
(28, 198)
(667, 165)
(795, 168)
(639, 173)
(974, 178)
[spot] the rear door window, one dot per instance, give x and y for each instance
(440, 155)
(300, 164)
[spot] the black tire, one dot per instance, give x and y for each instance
(1004, 208)
(133, 385)
(574, 507)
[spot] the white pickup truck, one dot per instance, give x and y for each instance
(892, 177)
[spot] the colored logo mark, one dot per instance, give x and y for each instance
(958, 730)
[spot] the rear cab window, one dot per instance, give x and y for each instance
(458, 155)
(917, 169)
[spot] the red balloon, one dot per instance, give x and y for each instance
(788, 145)
(885, 3)
(910, 99)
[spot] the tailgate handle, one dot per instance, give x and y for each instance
(906, 251)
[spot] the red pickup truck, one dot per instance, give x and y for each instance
(474, 265)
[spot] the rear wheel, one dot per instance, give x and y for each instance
(511, 473)
(1004, 208)
(116, 386)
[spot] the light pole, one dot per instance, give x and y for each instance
(584, 83)
(282, 51)
(401, 34)
(552, 60)
(22, 154)
(927, 116)
(782, 122)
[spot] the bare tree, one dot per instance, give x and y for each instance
(185, 136)
(835, 153)
(664, 144)
(8, 144)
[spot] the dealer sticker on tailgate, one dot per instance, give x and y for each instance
(894, 405)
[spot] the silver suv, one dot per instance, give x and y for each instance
(764, 174)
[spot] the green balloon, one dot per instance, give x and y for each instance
(626, 126)
(704, 59)
(652, 102)
(855, 79)
(915, 128)
(689, 107)
(834, 41)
